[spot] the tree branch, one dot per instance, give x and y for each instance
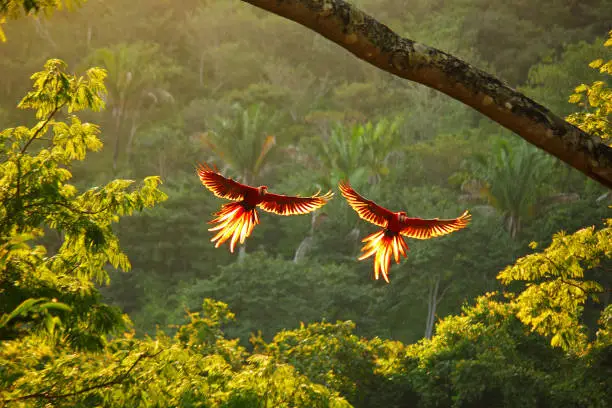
(378, 45)
(442, 294)
(25, 147)
(586, 292)
(560, 277)
(117, 380)
(42, 126)
(67, 206)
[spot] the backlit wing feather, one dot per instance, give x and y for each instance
(366, 209)
(288, 205)
(233, 221)
(429, 228)
(220, 186)
(382, 245)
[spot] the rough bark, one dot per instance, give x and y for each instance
(378, 45)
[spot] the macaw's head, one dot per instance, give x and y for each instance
(262, 190)
(402, 216)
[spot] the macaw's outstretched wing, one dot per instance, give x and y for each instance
(288, 205)
(367, 210)
(220, 186)
(424, 229)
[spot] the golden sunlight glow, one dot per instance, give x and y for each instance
(288, 205)
(382, 246)
(426, 229)
(235, 222)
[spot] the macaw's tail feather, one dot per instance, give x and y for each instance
(382, 245)
(234, 221)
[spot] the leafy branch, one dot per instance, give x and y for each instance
(115, 381)
(42, 126)
(68, 207)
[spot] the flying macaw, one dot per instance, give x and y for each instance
(237, 220)
(395, 224)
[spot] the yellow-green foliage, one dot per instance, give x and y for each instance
(60, 345)
(596, 101)
(553, 300)
(14, 9)
(486, 357)
(36, 198)
(179, 371)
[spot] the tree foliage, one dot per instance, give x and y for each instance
(558, 284)
(14, 9)
(500, 168)
(322, 333)
(37, 202)
(595, 100)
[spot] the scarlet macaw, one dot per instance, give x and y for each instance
(237, 220)
(394, 224)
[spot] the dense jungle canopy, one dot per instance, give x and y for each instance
(111, 293)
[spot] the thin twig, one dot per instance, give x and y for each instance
(117, 380)
(25, 147)
(560, 277)
(67, 206)
(45, 123)
(579, 287)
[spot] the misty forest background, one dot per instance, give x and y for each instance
(270, 102)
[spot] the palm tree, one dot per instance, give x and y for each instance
(513, 181)
(360, 153)
(244, 143)
(136, 76)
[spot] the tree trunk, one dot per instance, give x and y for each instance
(433, 300)
(161, 165)
(133, 129)
(89, 33)
(201, 70)
(118, 113)
(241, 252)
(43, 32)
(378, 45)
(135, 122)
(431, 306)
(302, 249)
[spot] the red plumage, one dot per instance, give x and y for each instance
(389, 241)
(236, 220)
